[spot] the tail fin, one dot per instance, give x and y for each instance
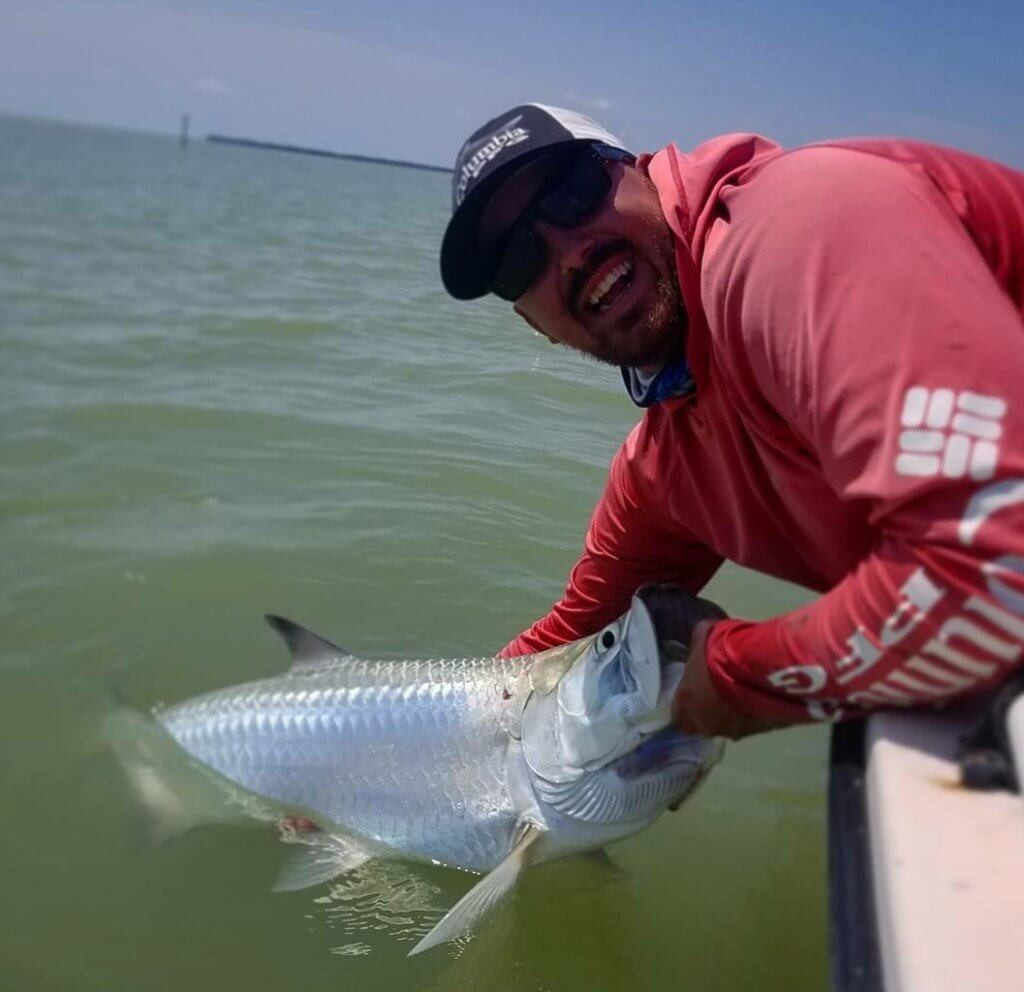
(177, 792)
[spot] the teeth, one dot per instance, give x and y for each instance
(608, 281)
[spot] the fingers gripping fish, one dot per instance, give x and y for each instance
(484, 764)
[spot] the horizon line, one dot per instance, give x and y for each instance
(275, 146)
(44, 118)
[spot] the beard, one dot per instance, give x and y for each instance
(661, 334)
(663, 324)
(652, 333)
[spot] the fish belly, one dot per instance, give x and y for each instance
(417, 765)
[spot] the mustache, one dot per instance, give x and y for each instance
(595, 258)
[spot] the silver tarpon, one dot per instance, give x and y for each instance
(485, 764)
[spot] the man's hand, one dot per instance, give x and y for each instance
(699, 708)
(682, 622)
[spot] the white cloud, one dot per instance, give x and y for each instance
(587, 102)
(212, 85)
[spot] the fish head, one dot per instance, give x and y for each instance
(600, 746)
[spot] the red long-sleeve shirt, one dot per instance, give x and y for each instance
(855, 330)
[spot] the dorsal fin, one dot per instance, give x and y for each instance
(307, 649)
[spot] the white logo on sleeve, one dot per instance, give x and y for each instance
(950, 434)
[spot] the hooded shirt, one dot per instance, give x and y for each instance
(856, 311)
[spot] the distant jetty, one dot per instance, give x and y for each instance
(221, 139)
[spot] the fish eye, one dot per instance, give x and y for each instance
(607, 639)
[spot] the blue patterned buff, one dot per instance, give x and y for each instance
(669, 381)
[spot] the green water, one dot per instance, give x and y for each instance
(230, 384)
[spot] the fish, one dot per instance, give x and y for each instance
(485, 764)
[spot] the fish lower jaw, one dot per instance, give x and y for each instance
(703, 771)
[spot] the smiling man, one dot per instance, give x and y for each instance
(828, 345)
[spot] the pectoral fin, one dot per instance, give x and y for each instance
(603, 861)
(319, 858)
(485, 895)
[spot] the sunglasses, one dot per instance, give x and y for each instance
(576, 187)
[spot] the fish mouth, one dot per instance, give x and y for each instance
(675, 612)
(640, 641)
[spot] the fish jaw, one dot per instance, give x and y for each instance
(601, 756)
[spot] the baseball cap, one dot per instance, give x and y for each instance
(488, 157)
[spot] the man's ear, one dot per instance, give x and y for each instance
(533, 324)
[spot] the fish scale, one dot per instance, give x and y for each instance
(332, 739)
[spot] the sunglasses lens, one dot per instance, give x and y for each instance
(519, 263)
(581, 192)
(576, 187)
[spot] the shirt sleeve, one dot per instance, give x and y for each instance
(626, 546)
(855, 305)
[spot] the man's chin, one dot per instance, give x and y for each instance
(646, 360)
(645, 347)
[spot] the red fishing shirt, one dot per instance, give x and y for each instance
(855, 332)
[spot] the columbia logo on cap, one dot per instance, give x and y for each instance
(504, 137)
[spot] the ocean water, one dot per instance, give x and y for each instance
(231, 383)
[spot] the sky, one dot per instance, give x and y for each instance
(411, 80)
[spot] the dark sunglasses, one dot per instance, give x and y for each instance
(576, 187)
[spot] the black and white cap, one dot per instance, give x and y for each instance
(489, 155)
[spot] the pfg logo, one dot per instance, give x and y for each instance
(949, 434)
(982, 637)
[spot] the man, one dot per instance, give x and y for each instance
(828, 347)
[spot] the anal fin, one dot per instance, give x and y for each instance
(318, 858)
(485, 895)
